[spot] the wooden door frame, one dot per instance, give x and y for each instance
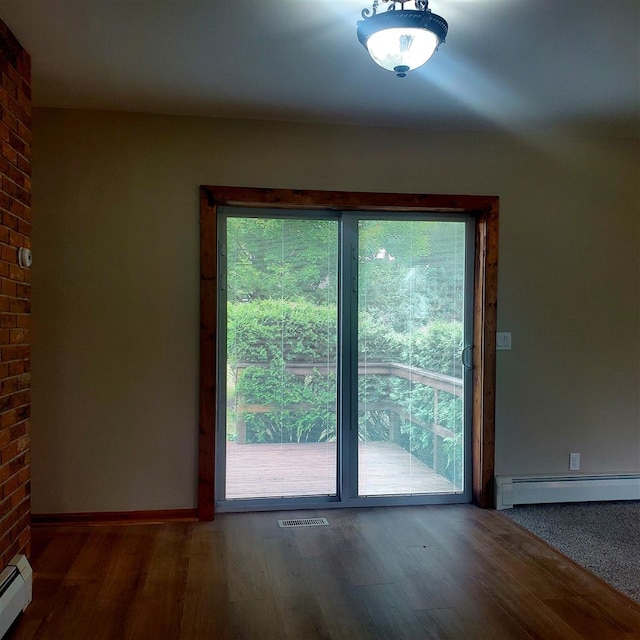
(484, 209)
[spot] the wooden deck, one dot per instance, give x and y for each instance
(285, 470)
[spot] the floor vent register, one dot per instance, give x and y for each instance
(303, 522)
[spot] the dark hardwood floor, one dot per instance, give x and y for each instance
(436, 572)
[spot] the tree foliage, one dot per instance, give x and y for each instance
(286, 259)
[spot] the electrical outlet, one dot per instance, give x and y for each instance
(574, 462)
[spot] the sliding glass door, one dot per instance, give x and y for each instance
(281, 357)
(341, 340)
(410, 342)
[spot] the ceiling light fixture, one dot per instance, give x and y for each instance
(401, 39)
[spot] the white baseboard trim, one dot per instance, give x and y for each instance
(512, 490)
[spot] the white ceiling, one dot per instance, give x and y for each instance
(509, 64)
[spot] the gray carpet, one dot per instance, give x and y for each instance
(604, 537)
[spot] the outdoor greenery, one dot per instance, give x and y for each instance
(271, 331)
(282, 292)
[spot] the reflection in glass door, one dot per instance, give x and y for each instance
(341, 341)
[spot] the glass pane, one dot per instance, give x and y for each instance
(410, 333)
(281, 357)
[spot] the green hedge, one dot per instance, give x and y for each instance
(269, 330)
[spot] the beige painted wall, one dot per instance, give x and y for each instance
(115, 282)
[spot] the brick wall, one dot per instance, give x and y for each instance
(15, 296)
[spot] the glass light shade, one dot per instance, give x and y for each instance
(402, 48)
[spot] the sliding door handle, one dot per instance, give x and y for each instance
(467, 357)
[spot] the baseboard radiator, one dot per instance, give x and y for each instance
(513, 490)
(15, 591)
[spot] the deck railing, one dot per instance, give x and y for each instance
(437, 381)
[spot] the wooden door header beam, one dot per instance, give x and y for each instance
(345, 201)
